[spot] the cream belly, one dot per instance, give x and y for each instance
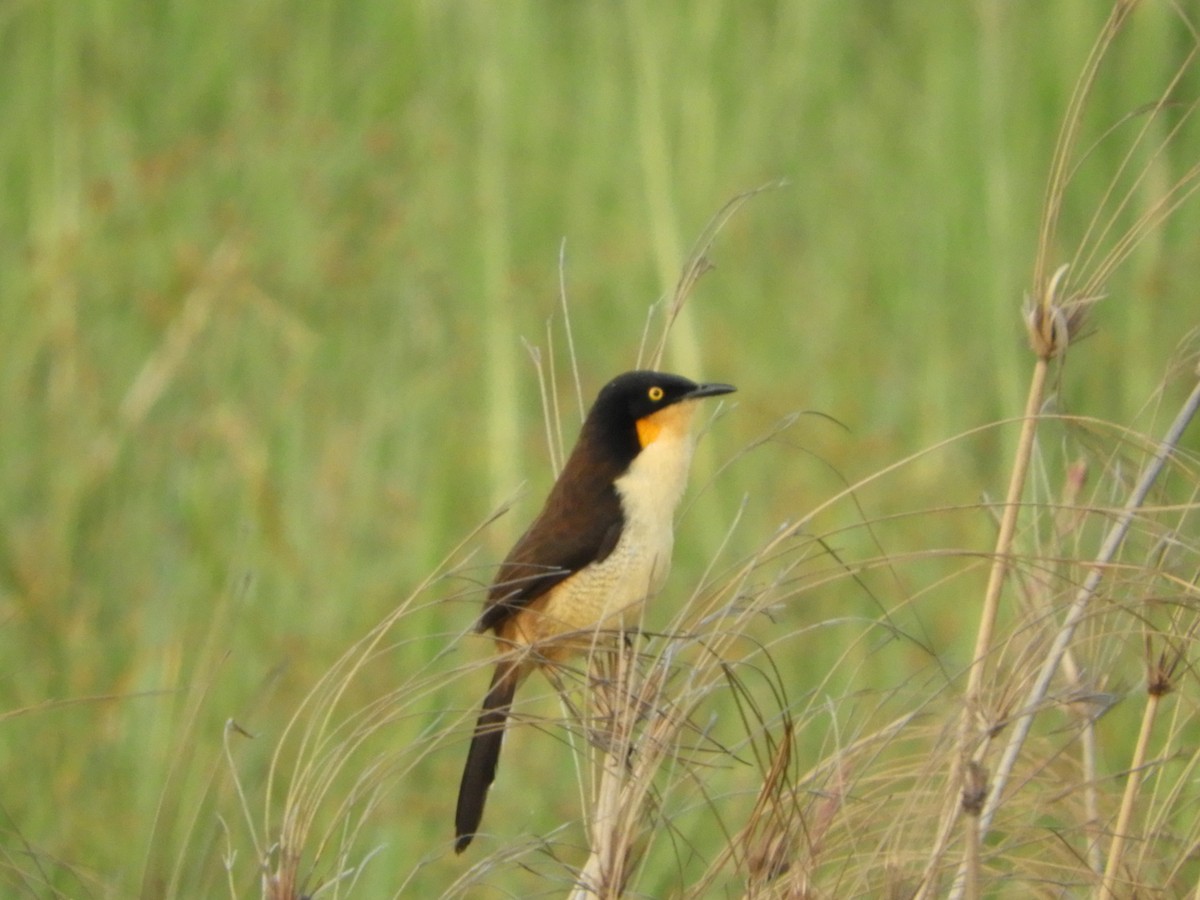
(610, 595)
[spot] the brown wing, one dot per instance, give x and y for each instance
(579, 524)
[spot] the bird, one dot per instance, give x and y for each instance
(599, 548)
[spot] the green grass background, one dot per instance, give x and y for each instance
(266, 271)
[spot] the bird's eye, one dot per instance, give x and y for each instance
(655, 393)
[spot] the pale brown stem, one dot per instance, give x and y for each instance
(1108, 888)
(1004, 541)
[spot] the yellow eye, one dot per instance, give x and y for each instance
(655, 393)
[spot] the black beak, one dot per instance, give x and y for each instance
(709, 390)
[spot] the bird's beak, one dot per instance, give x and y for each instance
(709, 390)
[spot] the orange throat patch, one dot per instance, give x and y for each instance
(676, 419)
(648, 429)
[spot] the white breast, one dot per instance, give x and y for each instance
(610, 595)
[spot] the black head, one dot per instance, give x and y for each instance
(638, 394)
(619, 417)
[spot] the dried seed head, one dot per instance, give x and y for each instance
(1053, 321)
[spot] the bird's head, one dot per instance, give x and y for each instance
(638, 408)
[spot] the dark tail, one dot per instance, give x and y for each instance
(480, 770)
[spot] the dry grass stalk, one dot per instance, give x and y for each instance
(629, 758)
(1155, 693)
(842, 824)
(699, 263)
(1162, 669)
(1107, 553)
(768, 842)
(1053, 320)
(321, 740)
(1084, 685)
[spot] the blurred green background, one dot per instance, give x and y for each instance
(266, 275)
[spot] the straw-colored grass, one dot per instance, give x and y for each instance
(705, 768)
(278, 301)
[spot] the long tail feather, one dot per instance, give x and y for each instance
(480, 770)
